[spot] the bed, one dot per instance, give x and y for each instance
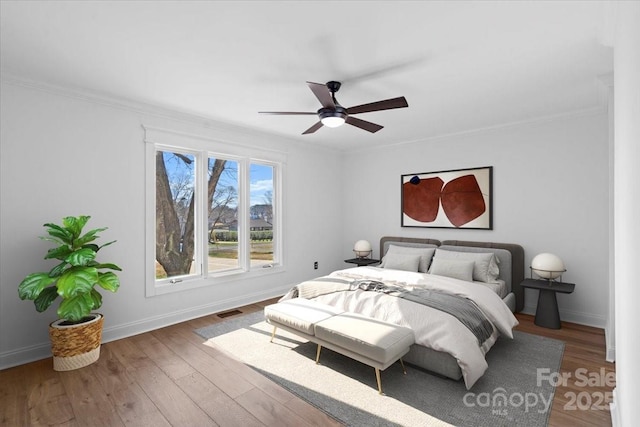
(446, 344)
(511, 258)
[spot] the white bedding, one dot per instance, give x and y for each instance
(432, 328)
(500, 287)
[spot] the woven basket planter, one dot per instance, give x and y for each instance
(76, 346)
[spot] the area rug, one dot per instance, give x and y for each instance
(516, 390)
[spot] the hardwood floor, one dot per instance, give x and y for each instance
(168, 378)
(583, 398)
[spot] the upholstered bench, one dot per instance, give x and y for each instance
(298, 316)
(370, 341)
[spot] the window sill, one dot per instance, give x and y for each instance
(215, 280)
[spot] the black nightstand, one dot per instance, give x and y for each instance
(547, 314)
(360, 262)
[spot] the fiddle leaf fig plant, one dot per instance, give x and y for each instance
(74, 278)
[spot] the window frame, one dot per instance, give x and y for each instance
(203, 148)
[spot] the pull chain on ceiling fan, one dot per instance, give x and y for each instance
(332, 114)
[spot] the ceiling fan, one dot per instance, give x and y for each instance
(332, 114)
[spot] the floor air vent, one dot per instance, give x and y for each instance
(229, 313)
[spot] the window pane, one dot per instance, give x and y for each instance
(261, 215)
(175, 219)
(223, 214)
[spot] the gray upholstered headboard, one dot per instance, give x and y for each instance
(516, 251)
(406, 241)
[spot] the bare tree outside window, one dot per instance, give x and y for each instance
(175, 218)
(223, 220)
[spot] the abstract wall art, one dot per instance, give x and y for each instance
(448, 199)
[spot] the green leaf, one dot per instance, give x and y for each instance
(75, 224)
(58, 269)
(53, 239)
(92, 246)
(76, 308)
(61, 252)
(108, 281)
(89, 237)
(32, 285)
(107, 244)
(77, 280)
(81, 257)
(97, 299)
(58, 232)
(107, 265)
(46, 298)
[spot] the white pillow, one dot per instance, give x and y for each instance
(405, 262)
(425, 255)
(457, 269)
(485, 263)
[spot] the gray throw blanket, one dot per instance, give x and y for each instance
(463, 309)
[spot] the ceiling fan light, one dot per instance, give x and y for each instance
(333, 121)
(332, 118)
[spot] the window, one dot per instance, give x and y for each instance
(261, 215)
(211, 217)
(223, 216)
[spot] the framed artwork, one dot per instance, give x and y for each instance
(459, 198)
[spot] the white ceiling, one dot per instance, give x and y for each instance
(461, 65)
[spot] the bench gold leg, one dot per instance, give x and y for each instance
(378, 379)
(403, 368)
(273, 334)
(318, 354)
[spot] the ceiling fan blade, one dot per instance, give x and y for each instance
(363, 124)
(387, 104)
(323, 94)
(313, 128)
(288, 113)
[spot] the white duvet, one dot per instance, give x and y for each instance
(432, 328)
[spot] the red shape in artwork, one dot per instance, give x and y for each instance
(421, 198)
(462, 200)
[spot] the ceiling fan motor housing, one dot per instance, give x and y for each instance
(333, 112)
(334, 86)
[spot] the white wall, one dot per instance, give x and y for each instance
(61, 155)
(625, 411)
(551, 194)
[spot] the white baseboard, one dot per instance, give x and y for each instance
(150, 324)
(43, 350)
(580, 318)
(24, 355)
(613, 410)
(611, 348)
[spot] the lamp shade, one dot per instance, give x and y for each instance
(332, 121)
(547, 266)
(333, 117)
(362, 248)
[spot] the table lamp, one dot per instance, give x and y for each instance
(362, 249)
(547, 266)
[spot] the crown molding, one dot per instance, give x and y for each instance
(247, 132)
(143, 108)
(593, 111)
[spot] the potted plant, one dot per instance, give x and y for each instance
(77, 334)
